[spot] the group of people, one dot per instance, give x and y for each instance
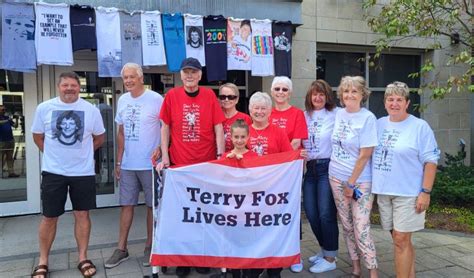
(350, 155)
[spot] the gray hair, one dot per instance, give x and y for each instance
(356, 81)
(397, 88)
(134, 66)
(260, 97)
(283, 80)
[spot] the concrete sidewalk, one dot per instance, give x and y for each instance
(439, 254)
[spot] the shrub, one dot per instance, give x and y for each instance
(454, 184)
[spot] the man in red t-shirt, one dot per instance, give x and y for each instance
(191, 129)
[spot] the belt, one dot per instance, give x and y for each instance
(319, 161)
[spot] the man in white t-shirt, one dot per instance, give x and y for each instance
(67, 129)
(138, 143)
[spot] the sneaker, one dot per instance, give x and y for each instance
(146, 256)
(314, 259)
(296, 268)
(117, 257)
(322, 266)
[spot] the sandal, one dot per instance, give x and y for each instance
(83, 269)
(40, 270)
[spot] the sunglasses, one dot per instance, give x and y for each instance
(276, 89)
(229, 97)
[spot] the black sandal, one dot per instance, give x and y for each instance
(44, 271)
(83, 269)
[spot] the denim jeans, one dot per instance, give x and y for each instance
(319, 206)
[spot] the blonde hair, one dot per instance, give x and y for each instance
(397, 88)
(231, 86)
(353, 81)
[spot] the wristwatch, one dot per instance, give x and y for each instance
(427, 191)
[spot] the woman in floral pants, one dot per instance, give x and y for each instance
(353, 140)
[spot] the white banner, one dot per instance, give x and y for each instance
(230, 213)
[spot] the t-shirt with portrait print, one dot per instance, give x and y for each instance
(271, 139)
(68, 129)
(227, 124)
(292, 121)
(352, 131)
(191, 121)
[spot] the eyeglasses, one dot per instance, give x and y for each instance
(276, 89)
(229, 97)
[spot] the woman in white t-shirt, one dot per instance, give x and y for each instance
(404, 169)
(318, 201)
(353, 140)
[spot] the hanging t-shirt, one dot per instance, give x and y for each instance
(320, 127)
(352, 131)
(53, 34)
(173, 31)
(153, 47)
(239, 44)
(270, 140)
(292, 121)
(141, 125)
(262, 47)
(18, 37)
(226, 125)
(68, 129)
(191, 121)
(193, 25)
(83, 27)
(282, 33)
(109, 49)
(131, 38)
(399, 158)
(215, 34)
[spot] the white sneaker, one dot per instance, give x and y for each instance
(296, 268)
(322, 266)
(314, 259)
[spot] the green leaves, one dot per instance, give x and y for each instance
(434, 19)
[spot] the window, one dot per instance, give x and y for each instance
(331, 66)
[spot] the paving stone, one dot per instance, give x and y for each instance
(431, 261)
(455, 271)
(449, 252)
(127, 275)
(466, 262)
(387, 268)
(17, 272)
(9, 266)
(441, 239)
(91, 255)
(56, 261)
(428, 274)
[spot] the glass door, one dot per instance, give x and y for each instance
(103, 93)
(19, 190)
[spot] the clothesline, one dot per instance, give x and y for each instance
(50, 33)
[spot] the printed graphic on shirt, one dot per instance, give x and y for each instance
(132, 122)
(191, 123)
(151, 34)
(262, 45)
(280, 122)
(314, 130)
(67, 127)
(239, 44)
(341, 134)
(282, 42)
(194, 39)
(20, 27)
(259, 145)
(383, 155)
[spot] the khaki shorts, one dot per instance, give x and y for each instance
(399, 213)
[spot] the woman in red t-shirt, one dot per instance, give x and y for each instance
(228, 99)
(285, 116)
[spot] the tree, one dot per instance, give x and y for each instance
(436, 20)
